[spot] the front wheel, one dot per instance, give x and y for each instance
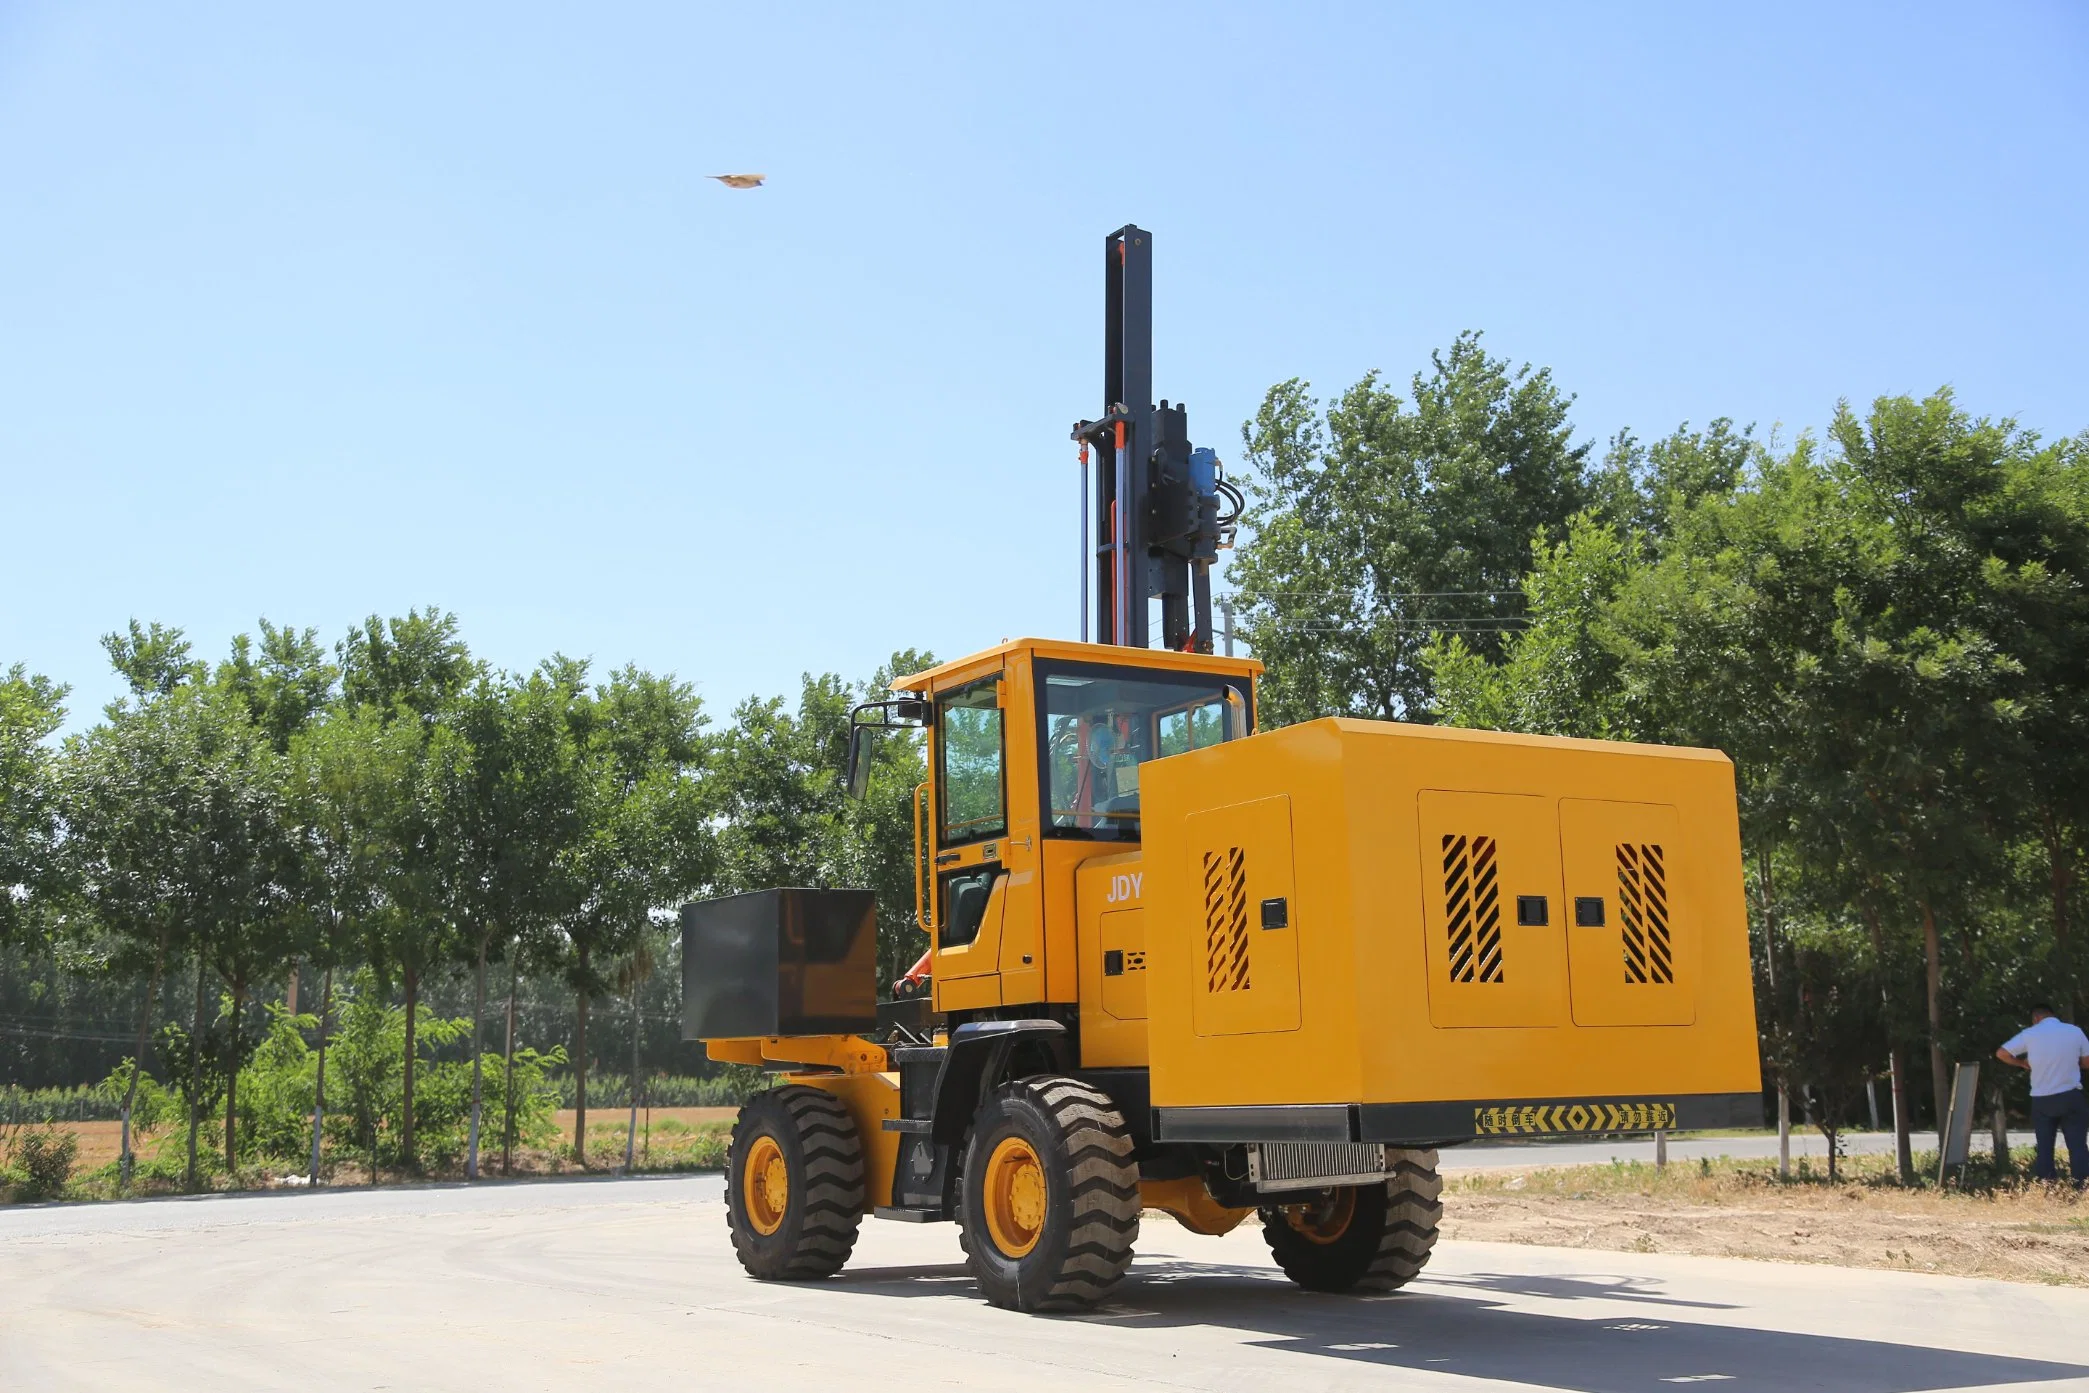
(794, 1185)
(1361, 1237)
(1050, 1199)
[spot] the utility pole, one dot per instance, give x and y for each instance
(1226, 612)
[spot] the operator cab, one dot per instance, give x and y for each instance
(1034, 755)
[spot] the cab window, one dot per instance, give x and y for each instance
(1101, 724)
(965, 897)
(972, 771)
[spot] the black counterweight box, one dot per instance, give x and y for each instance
(780, 962)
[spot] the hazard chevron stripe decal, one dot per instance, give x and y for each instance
(1537, 1119)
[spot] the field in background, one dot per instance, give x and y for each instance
(672, 1131)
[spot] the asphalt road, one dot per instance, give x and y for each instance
(630, 1284)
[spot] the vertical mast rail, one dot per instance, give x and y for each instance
(1154, 531)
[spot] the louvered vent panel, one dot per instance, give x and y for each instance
(1643, 908)
(1472, 907)
(1226, 920)
(1290, 1165)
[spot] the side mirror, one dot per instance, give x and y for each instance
(858, 782)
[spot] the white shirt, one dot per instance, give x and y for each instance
(2057, 1050)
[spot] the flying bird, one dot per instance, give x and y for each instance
(740, 181)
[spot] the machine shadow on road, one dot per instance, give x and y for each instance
(1451, 1325)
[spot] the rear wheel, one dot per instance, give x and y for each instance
(1361, 1237)
(794, 1185)
(1050, 1197)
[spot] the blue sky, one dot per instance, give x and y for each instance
(310, 312)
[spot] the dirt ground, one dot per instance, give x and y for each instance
(2015, 1232)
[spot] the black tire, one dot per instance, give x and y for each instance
(814, 1139)
(1361, 1237)
(1087, 1216)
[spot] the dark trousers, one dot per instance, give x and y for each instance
(2067, 1114)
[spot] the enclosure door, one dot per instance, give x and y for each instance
(1631, 933)
(1491, 909)
(1245, 978)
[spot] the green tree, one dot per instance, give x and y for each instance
(31, 710)
(411, 671)
(417, 662)
(645, 839)
(284, 683)
(178, 832)
(153, 658)
(1394, 519)
(516, 814)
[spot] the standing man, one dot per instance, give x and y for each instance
(2056, 1053)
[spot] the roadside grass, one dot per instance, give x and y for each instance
(667, 1145)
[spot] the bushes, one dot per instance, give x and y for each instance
(42, 1163)
(366, 1053)
(365, 1098)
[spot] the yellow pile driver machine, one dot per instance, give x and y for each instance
(1176, 964)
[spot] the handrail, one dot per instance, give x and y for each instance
(922, 916)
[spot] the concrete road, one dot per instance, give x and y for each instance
(630, 1284)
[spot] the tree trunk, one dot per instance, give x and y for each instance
(1784, 1130)
(580, 1072)
(1933, 990)
(239, 1000)
(631, 1136)
(478, 1014)
(413, 996)
(290, 992)
(1999, 1130)
(2060, 878)
(1903, 1142)
(326, 1008)
(195, 1073)
(1903, 1125)
(507, 1131)
(126, 1162)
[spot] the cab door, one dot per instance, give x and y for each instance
(983, 954)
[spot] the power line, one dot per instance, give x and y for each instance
(32, 1032)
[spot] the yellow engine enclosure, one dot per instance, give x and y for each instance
(1318, 928)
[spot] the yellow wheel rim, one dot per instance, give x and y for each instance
(1014, 1193)
(1324, 1223)
(765, 1186)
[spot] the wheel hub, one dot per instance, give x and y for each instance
(766, 1186)
(1015, 1197)
(1325, 1221)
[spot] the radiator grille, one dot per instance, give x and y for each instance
(1643, 908)
(1308, 1165)
(1472, 907)
(1226, 920)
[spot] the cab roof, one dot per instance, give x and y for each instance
(1158, 659)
